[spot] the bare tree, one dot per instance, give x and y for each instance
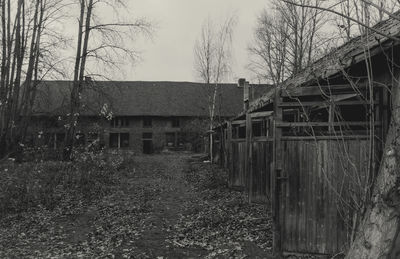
(269, 49)
(212, 62)
(365, 11)
(25, 26)
(286, 40)
(97, 41)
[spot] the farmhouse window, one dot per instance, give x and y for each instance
(53, 140)
(119, 122)
(119, 140)
(175, 123)
(147, 122)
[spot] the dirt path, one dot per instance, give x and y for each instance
(166, 175)
(157, 211)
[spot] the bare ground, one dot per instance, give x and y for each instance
(166, 206)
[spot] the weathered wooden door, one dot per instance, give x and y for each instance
(261, 171)
(317, 181)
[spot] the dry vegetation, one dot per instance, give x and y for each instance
(116, 205)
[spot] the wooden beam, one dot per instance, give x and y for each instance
(323, 103)
(324, 124)
(302, 91)
(261, 114)
(262, 139)
(238, 140)
(318, 90)
(239, 122)
(333, 137)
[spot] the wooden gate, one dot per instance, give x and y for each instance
(318, 179)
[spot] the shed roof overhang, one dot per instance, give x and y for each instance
(347, 55)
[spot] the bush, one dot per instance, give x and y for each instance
(51, 183)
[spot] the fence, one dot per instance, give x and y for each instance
(318, 178)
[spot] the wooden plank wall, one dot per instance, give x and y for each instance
(316, 173)
(261, 170)
(310, 210)
(251, 174)
(238, 174)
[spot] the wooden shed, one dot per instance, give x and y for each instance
(312, 146)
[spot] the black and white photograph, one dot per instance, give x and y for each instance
(173, 129)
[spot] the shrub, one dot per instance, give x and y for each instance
(51, 183)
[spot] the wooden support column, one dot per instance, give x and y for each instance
(385, 114)
(276, 173)
(229, 150)
(248, 157)
(331, 118)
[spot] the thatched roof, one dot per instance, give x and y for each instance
(138, 98)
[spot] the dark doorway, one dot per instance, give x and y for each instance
(114, 140)
(148, 147)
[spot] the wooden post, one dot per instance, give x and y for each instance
(119, 140)
(248, 157)
(225, 149)
(331, 116)
(229, 150)
(276, 173)
(385, 114)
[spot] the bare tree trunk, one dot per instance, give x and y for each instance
(8, 88)
(3, 85)
(381, 222)
(76, 88)
(29, 90)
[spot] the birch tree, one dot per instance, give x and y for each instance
(212, 54)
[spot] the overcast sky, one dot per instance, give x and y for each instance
(169, 56)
